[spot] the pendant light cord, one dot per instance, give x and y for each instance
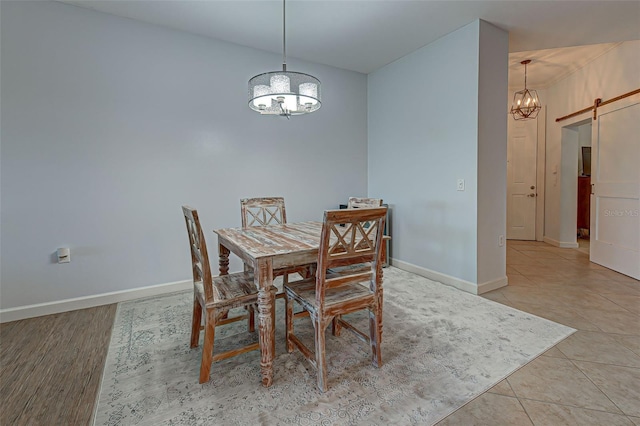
(284, 52)
(284, 37)
(525, 76)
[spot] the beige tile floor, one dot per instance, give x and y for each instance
(592, 377)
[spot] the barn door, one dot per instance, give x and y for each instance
(615, 178)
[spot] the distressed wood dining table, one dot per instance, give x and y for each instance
(267, 248)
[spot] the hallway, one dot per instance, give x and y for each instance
(591, 378)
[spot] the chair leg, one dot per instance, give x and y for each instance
(251, 318)
(195, 323)
(285, 281)
(207, 347)
(336, 327)
(289, 321)
(321, 362)
(375, 335)
(310, 271)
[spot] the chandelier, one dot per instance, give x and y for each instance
(284, 93)
(526, 103)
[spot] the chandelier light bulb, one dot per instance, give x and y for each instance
(262, 96)
(308, 93)
(280, 84)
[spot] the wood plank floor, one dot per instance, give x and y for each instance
(51, 367)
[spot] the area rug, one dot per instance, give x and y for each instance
(441, 348)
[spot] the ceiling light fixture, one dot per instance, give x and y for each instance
(526, 103)
(284, 93)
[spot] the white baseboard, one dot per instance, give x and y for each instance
(561, 244)
(30, 311)
(40, 309)
(492, 285)
(463, 285)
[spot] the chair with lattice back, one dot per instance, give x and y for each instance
(361, 203)
(357, 202)
(330, 294)
(215, 296)
(265, 211)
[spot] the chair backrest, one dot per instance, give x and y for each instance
(356, 202)
(359, 203)
(199, 256)
(263, 211)
(359, 241)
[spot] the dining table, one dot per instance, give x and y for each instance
(265, 249)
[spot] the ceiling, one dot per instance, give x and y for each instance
(364, 35)
(551, 65)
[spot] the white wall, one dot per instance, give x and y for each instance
(424, 134)
(492, 155)
(569, 187)
(612, 74)
(109, 125)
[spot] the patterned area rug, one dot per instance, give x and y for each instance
(441, 348)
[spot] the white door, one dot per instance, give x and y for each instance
(521, 179)
(615, 199)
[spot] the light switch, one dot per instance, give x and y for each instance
(460, 185)
(64, 255)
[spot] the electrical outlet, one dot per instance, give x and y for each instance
(460, 185)
(501, 240)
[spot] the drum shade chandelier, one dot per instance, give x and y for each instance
(526, 103)
(284, 93)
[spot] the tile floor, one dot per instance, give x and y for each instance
(592, 377)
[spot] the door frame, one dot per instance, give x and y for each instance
(569, 152)
(541, 172)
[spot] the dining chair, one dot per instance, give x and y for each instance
(357, 202)
(264, 211)
(330, 294)
(216, 296)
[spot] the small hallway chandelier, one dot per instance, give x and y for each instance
(526, 103)
(284, 93)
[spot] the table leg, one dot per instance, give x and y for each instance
(380, 303)
(266, 318)
(223, 259)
